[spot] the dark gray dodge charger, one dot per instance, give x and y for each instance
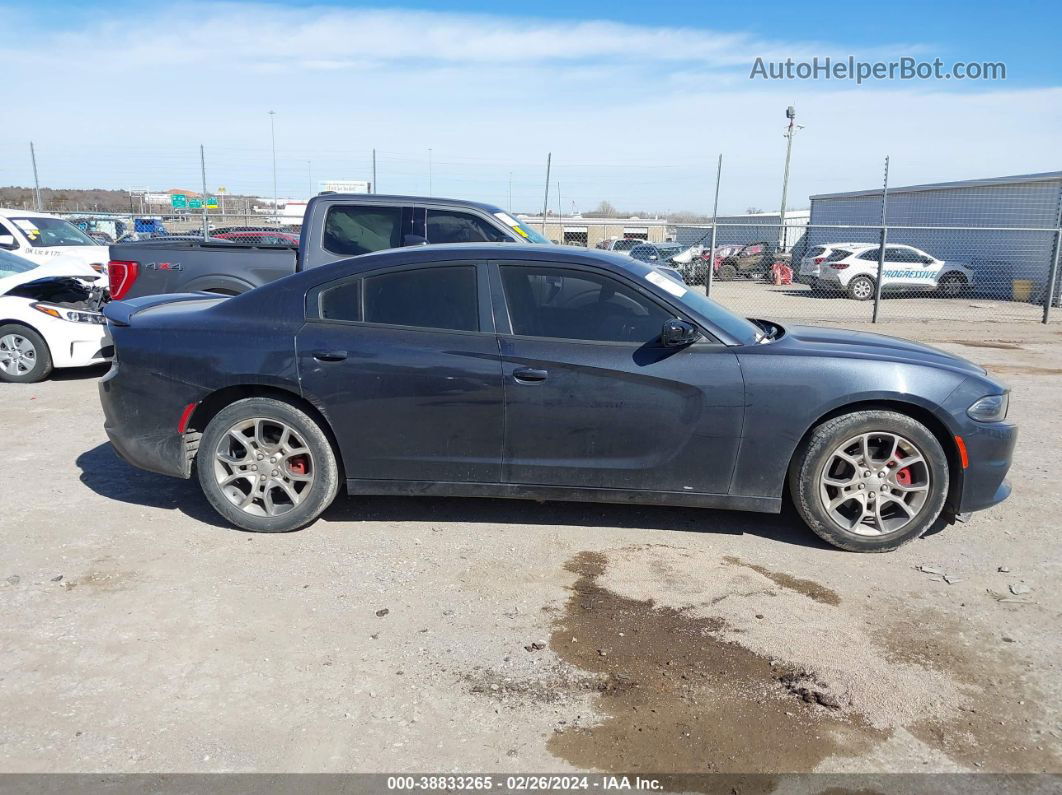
(544, 373)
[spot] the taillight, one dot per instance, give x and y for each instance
(838, 266)
(120, 275)
(819, 260)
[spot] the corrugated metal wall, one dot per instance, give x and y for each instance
(997, 256)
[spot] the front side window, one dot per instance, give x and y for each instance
(579, 305)
(354, 230)
(439, 298)
(449, 226)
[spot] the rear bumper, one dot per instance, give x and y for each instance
(142, 425)
(990, 449)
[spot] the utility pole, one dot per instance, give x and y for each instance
(309, 176)
(510, 192)
(545, 201)
(429, 171)
(710, 275)
(273, 139)
(374, 189)
(790, 131)
(36, 182)
(560, 213)
(202, 165)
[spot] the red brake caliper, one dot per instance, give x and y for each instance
(297, 465)
(903, 476)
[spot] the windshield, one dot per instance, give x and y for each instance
(521, 228)
(44, 232)
(12, 263)
(670, 251)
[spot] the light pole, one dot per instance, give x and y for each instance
(790, 131)
(429, 171)
(273, 139)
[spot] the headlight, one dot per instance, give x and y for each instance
(71, 315)
(992, 408)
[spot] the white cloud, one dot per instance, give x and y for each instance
(635, 114)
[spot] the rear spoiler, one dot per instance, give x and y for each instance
(120, 313)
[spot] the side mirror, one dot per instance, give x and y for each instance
(7, 241)
(678, 332)
(414, 240)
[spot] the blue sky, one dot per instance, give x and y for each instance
(634, 100)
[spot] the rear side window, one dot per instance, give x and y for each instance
(441, 298)
(447, 226)
(342, 302)
(871, 254)
(838, 254)
(357, 230)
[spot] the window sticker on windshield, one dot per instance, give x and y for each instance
(28, 227)
(666, 283)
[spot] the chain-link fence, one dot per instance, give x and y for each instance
(974, 250)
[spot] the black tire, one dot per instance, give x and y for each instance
(811, 459)
(861, 288)
(726, 272)
(951, 285)
(42, 357)
(319, 459)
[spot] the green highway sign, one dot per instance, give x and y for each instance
(212, 202)
(178, 200)
(195, 204)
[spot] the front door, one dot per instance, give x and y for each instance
(406, 365)
(592, 400)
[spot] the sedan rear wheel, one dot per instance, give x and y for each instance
(870, 481)
(266, 466)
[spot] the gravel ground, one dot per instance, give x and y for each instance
(140, 634)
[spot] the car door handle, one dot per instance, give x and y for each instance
(330, 356)
(526, 375)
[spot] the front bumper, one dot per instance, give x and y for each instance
(989, 449)
(78, 344)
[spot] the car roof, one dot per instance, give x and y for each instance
(395, 197)
(11, 212)
(575, 255)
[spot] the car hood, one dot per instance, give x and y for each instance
(812, 340)
(84, 255)
(50, 270)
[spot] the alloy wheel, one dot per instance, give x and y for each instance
(263, 466)
(875, 484)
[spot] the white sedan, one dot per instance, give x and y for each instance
(49, 317)
(852, 268)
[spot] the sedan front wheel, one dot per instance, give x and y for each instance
(870, 481)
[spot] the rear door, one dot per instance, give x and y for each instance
(406, 365)
(592, 400)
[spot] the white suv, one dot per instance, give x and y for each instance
(853, 268)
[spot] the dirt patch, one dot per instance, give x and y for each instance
(809, 588)
(996, 727)
(1002, 345)
(690, 700)
(1022, 369)
(101, 581)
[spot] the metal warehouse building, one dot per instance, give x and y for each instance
(1004, 227)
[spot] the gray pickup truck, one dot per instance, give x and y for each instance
(336, 226)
